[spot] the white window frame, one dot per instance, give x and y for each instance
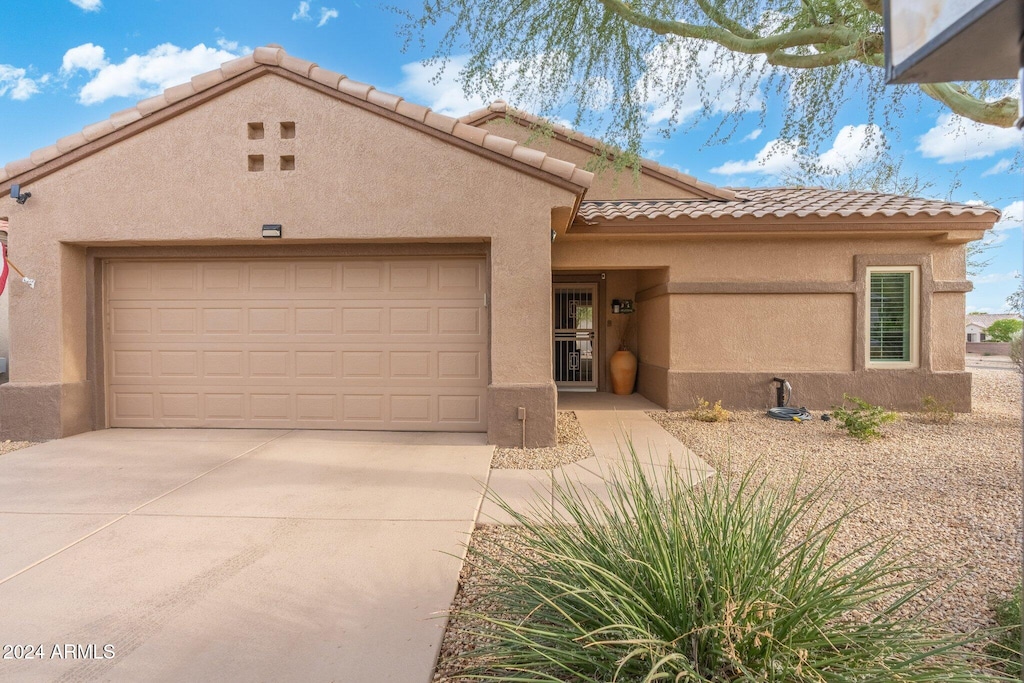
(915, 320)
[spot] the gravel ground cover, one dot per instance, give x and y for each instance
(953, 491)
(571, 447)
(474, 590)
(8, 446)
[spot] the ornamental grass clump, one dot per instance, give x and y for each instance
(725, 580)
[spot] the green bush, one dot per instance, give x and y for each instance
(1008, 644)
(1015, 351)
(725, 580)
(1002, 330)
(861, 419)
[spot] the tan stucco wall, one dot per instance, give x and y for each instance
(358, 176)
(619, 284)
(770, 332)
(696, 340)
(656, 331)
(948, 336)
(728, 259)
(608, 184)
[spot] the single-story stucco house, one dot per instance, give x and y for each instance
(275, 245)
(977, 324)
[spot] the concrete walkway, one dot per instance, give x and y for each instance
(231, 555)
(607, 421)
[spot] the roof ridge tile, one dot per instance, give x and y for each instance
(206, 80)
(268, 55)
(326, 77)
(274, 55)
(237, 66)
(501, 107)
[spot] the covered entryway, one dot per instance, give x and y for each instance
(370, 344)
(575, 359)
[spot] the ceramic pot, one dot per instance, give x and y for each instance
(623, 367)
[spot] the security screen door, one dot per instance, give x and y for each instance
(575, 357)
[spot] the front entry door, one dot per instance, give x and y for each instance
(575, 308)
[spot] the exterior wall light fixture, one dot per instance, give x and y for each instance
(19, 196)
(271, 231)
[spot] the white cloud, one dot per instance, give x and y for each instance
(854, 146)
(326, 15)
(752, 135)
(302, 13)
(1012, 218)
(1002, 166)
(88, 5)
(775, 158)
(139, 75)
(954, 139)
(988, 278)
(15, 84)
(87, 56)
(444, 95)
(229, 45)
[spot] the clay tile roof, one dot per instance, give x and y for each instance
(986, 319)
(499, 108)
(780, 202)
(275, 56)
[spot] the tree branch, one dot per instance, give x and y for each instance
(849, 46)
(813, 61)
(839, 35)
(725, 22)
(1000, 113)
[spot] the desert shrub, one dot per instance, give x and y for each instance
(721, 580)
(1002, 330)
(936, 411)
(705, 412)
(860, 419)
(1015, 351)
(1007, 644)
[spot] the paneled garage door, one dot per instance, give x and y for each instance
(321, 344)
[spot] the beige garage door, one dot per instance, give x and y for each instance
(320, 344)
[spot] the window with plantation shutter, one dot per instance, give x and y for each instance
(892, 318)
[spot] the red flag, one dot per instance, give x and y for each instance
(3, 273)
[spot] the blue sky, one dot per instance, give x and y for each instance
(67, 63)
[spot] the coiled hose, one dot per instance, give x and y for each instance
(789, 414)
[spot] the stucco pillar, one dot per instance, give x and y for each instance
(521, 340)
(48, 396)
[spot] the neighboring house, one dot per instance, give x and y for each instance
(978, 323)
(425, 266)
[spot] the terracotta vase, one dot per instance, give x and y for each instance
(623, 367)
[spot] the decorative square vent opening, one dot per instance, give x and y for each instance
(255, 131)
(287, 130)
(288, 162)
(255, 162)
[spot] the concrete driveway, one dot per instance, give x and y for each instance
(251, 555)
